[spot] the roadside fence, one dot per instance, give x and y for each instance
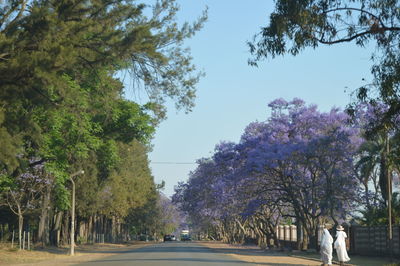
(362, 240)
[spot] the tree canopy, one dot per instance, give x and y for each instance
(60, 98)
(297, 24)
(63, 105)
(298, 165)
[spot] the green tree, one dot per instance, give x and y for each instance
(374, 160)
(62, 103)
(56, 55)
(130, 183)
(377, 215)
(10, 146)
(50, 38)
(21, 194)
(298, 24)
(58, 61)
(157, 217)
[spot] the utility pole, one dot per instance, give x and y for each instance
(72, 249)
(389, 196)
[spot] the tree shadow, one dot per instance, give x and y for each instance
(163, 261)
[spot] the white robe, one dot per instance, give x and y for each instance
(326, 247)
(340, 246)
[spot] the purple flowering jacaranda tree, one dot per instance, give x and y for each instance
(22, 192)
(296, 165)
(305, 158)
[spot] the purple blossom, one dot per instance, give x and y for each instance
(300, 160)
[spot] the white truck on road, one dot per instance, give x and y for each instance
(185, 236)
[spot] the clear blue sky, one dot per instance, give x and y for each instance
(233, 94)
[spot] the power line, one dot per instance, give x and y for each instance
(172, 163)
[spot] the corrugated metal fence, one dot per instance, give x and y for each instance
(363, 240)
(373, 240)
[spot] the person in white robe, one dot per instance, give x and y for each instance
(340, 245)
(326, 247)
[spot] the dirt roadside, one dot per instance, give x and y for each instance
(59, 256)
(256, 255)
(269, 257)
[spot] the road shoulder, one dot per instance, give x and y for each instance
(59, 256)
(258, 256)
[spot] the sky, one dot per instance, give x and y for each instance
(234, 94)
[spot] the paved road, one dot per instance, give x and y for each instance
(170, 254)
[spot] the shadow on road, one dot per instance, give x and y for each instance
(195, 254)
(172, 259)
(189, 260)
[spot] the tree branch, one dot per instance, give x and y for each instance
(354, 9)
(375, 28)
(6, 15)
(18, 16)
(349, 39)
(10, 205)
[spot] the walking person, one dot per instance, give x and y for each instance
(326, 247)
(340, 245)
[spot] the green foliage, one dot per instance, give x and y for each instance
(374, 159)
(374, 216)
(128, 121)
(6, 183)
(130, 184)
(9, 147)
(107, 158)
(145, 219)
(378, 215)
(53, 37)
(57, 65)
(299, 24)
(61, 103)
(157, 217)
(88, 186)
(62, 194)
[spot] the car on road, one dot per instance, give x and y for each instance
(186, 238)
(169, 238)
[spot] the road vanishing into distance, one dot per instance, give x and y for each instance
(170, 254)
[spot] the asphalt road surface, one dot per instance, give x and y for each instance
(170, 254)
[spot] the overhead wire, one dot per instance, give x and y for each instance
(172, 163)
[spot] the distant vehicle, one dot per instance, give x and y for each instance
(169, 238)
(185, 236)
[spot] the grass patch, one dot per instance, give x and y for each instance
(13, 255)
(55, 255)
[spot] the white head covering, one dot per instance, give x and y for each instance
(326, 238)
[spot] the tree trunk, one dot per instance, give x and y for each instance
(83, 230)
(113, 229)
(43, 231)
(94, 229)
(55, 234)
(65, 229)
(305, 239)
(119, 231)
(90, 229)
(299, 235)
(20, 226)
(104, 227)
